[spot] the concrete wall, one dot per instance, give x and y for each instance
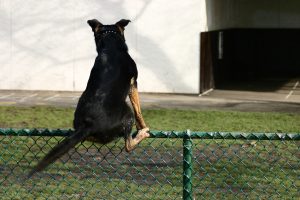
(47, 45)
(222, 14)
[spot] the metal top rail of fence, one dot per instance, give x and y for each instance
(164, 134)
(169, 165)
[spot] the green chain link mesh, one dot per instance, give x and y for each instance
(224, 166)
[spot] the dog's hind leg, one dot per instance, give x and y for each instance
(143, 130)
(59, 150)
(135, 101)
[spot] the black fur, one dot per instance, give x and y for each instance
(102, 113)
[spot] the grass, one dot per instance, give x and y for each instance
(160, 119)
(222, 169)
(36, 117)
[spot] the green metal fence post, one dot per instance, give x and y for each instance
(187, 166)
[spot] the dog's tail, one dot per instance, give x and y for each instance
(59, 150)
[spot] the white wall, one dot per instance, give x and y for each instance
(223, 14)
(47, 45)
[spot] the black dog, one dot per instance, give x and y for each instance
(102, 113)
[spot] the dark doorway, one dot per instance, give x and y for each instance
(251, 59)
(206, 68)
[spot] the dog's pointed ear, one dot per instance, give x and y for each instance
(122, 23)
(95, 24)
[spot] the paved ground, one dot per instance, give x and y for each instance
(285, 100)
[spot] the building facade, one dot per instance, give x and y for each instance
(47, 45)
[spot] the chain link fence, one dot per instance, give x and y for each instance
(169, 165)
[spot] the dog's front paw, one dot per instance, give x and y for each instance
(144, 133)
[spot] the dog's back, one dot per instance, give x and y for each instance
(102, 105)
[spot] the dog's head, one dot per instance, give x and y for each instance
(100, 30)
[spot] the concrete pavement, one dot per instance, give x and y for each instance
(215, 100)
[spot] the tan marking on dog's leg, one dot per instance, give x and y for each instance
(135, 101)
(130, 142)
(143, 130)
